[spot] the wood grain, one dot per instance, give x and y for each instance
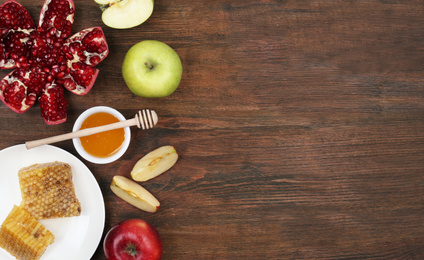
(299, 126)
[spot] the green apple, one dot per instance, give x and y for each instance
(123, 14)
(152, 69)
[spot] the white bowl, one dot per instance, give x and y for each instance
(77, 142)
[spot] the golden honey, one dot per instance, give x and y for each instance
(102, 144)
(48, 191)
(23, 236)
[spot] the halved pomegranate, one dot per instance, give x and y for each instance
(45, 59)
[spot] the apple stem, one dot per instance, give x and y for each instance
(131, 250)
(148, 65)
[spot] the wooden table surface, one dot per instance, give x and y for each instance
(299, 125)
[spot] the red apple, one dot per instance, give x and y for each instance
(133, 239)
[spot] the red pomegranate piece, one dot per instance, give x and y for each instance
(46, 59)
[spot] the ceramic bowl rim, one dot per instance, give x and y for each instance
(77, 142)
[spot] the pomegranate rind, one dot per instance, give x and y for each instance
(49, 23)
(22, 19)
(53, 104)
(81, 52)
(19, 32)
(82, 47)
(20, 98)
(77, 83)
(54, 26)
(15, 91)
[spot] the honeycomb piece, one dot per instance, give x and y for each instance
(48, 191)
(23, 236)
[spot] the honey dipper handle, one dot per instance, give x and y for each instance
(81, 133)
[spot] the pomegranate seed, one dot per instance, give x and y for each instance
(60, 75)
(52, 31)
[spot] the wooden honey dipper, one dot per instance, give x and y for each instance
(144, 119)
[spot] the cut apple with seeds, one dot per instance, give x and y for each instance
(124, 14)
(154, 163)
(134, 194)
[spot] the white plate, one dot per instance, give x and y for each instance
(75, 237)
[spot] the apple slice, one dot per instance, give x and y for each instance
(123, 14)
(134, 194)
(154, 163)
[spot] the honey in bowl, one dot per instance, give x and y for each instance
(102, 144)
